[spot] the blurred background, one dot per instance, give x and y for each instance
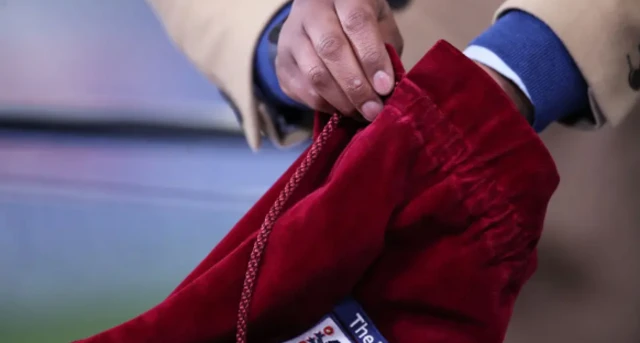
(122, 166)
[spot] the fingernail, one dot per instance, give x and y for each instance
(382, 83)
(371, 109)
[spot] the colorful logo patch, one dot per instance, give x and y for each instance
(326, 331)
(347, 323)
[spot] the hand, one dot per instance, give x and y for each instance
(331, 55)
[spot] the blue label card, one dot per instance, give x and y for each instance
(351, 315)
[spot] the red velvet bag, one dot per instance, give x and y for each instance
(428, 218)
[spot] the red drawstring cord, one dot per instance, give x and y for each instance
(259, 246)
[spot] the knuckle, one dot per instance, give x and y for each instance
(372, 57)
(354, 85)
(356, 89)
(357, 20)
(329, 47)
(318, 76)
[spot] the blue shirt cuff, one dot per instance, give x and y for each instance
(264, 67)
(525, 50)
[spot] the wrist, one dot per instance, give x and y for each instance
(519, 99)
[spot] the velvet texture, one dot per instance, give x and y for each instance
(429, 217)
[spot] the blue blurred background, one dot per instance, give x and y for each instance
(94, 227)
(99, 61)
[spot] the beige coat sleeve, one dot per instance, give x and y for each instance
(207, 32)
(603, 37)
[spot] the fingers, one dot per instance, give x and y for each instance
(359, 21)
(318, 76)
(294, 84)
(334, 50)
(331, 55)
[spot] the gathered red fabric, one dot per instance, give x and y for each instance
(429, 217)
